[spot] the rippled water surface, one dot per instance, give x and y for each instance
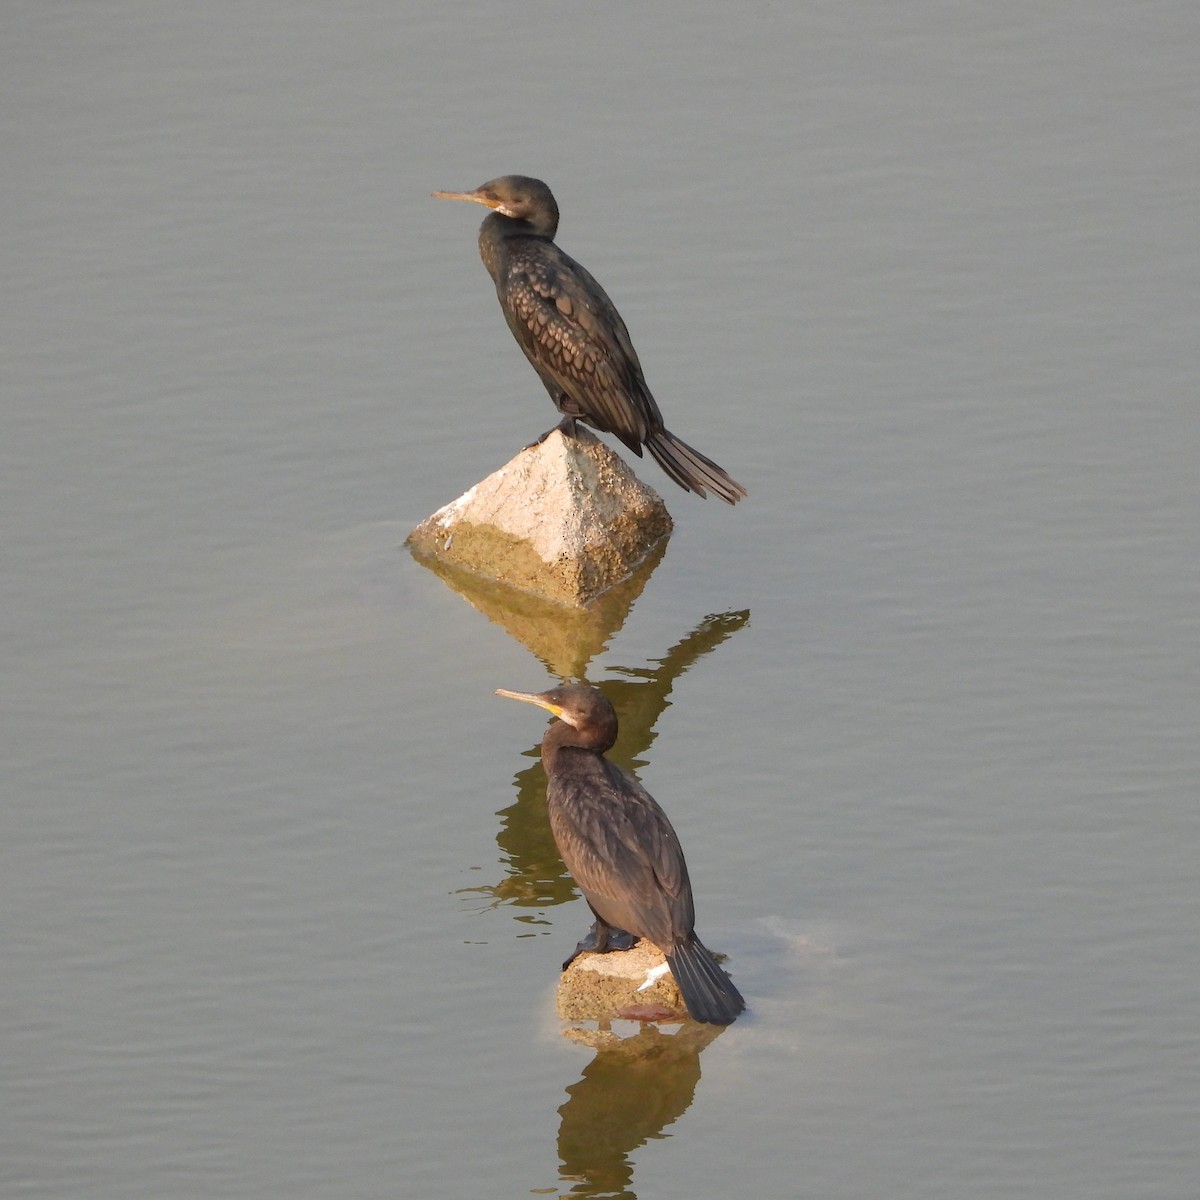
(282, 912)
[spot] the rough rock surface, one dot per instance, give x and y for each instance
(565, 519)
(599, 986)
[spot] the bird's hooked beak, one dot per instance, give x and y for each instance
(538, 698)
(476, 197)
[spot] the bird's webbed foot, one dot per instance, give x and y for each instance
(566, 427)
(600, 939)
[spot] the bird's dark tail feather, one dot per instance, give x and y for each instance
(707, 991)
(690, 469)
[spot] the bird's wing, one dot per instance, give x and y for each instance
(573, 334)
(624, 856)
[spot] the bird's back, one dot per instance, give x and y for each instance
(574, 338)
(619, 847)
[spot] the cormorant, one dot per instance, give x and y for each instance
(572, 333)
(622, 851)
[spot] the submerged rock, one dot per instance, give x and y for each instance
(565, 519)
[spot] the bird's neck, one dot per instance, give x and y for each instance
(561, 736)
(497, 230)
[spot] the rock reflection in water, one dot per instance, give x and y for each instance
(630, 1093)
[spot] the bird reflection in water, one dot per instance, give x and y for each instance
(535, 876)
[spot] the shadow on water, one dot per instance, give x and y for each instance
(632, 1091)
(536, 877)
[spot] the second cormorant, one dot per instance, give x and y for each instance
(622, 851)
(572, 333)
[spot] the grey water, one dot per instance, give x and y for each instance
(280, 916)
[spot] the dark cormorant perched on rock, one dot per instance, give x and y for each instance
(572, 333)
(621, 849)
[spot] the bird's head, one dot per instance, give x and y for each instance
(584, 708)
(518, 197)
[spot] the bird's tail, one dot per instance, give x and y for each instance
(690, 469)
(707, 991)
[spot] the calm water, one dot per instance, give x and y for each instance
(281, 916)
